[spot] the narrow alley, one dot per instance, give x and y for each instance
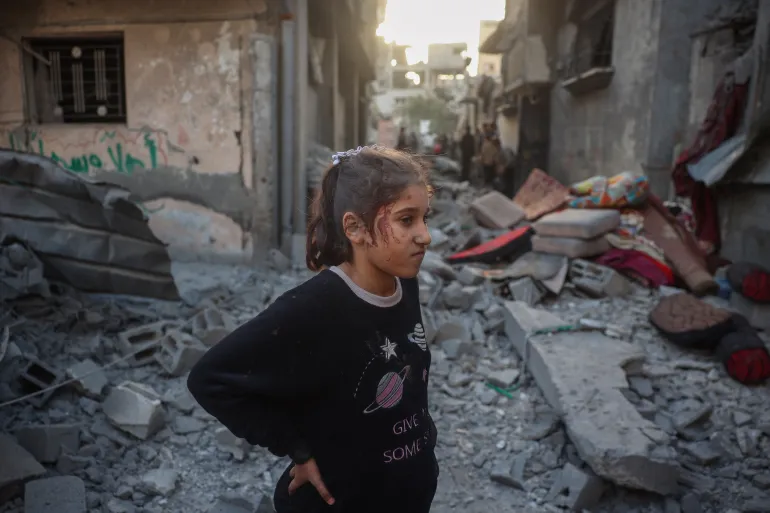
(595, 298)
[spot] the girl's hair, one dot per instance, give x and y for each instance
(360, 181)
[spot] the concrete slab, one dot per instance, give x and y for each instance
(91, 379)
(18, 464)
(62, 494)
(135, 409)
(495, 211)
(45, 442)
(581, 375)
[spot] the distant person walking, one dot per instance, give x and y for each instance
(401, 143)
(491, 158)
(468, 151)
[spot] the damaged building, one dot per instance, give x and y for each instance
(208, 113)
(599, 87)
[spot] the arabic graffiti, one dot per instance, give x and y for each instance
(102, 150)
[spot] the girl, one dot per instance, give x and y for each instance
(334, 373)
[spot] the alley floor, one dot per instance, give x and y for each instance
(501, 448)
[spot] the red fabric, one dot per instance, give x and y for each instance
(749, 366)
(721, 122)
(629, 261)
(756, 286)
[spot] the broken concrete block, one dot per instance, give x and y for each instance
(228, 442)
(526, 290)
(211, 325)
(144, 340)
(578, 223)
(581, 375)
(598, 280)
(555, 283)
(136, 409)
(576, 490)
(62, 494)
(495, 211)
(45, 442)
(572, 248)
(159, 481)
(757, 314)
(91, 380)
(278, 261)
(434, 264)
(36, 377)
(455, 329)
(18, 464)
(179, 352)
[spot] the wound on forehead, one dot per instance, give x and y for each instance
(362, 182)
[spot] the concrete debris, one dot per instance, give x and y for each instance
(117, 254)
(228, 442)
(160, 481)
(136, 409)
(21, 272)
(598, 280)
(18, 464)
(91, 380)
(211, 325)
(46, 442)
(607, 430)
(62, 494)
(526, 424)
(576, 490)
(179, 352)
(495, 211)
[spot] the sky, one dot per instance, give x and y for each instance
(421, 22)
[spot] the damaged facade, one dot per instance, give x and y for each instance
(599, 87)
(179, 102)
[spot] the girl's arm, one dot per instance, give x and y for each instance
(254, 380)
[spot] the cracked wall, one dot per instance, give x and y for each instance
(194, 80)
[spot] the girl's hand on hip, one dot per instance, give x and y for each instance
(308, 473)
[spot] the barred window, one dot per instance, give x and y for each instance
(83, 81)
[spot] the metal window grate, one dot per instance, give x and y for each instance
(593, 45)
(85, 81)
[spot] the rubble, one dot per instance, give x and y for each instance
(581, 416)
(63, 494)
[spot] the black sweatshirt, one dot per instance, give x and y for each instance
(334, 371)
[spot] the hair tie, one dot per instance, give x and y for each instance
(337, 157)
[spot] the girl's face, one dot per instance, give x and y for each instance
(400, 239)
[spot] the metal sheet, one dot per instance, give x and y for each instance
(87, 234)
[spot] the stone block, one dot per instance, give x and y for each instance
(178, 352)
(757, 314)
(62, 494)
(278, 261)
(455, 329)
(495, 211)
(144, 340)
(211, 325)
(598, 280)
(228, 442)
(91, 380)
(526, 290)
(18, 464)
(578, 223)
(45, 442)
(577, 490)
(36, 377)
(136, 409)
(581, 375)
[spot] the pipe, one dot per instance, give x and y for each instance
(301, 114)
(286, 172)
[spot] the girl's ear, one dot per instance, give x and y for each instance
(354, 229)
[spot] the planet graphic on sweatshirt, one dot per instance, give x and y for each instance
(390, 390)
(418, 337)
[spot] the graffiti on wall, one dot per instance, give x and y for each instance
(122, 151)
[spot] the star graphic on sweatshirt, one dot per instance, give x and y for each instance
(389, 349)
